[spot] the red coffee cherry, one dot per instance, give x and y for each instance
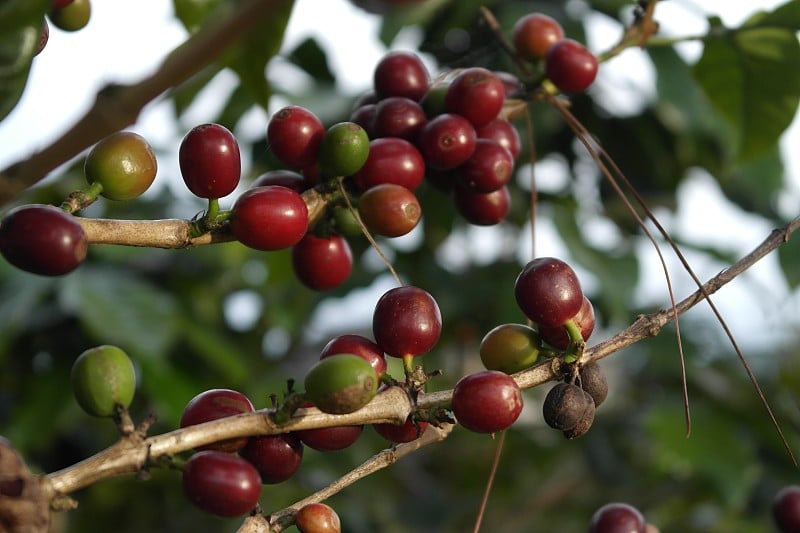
(318, 518)
(221, 483)
(214, 404)
(534, 34)
(482, 209)
(391, 160)
(210, 161)
(401, 73)
(294, 136)
(446, 141)
(570, 66)
(276, 457)
(488, 169)
(476, 94)
(269, 218)
(322, 263)
(487, 402)
(557, 337)
(390, 210)
(548, 291)
(617, 517)
(406, 321)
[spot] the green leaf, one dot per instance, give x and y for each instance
(738, 73)
(785, 16)
(310, 57)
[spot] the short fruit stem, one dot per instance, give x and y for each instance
(576, 343)
(81, 199)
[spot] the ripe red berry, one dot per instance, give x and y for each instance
(547, 290)
(617, 517)
(322, 263)
(534, 34)
(318, 518)
(210, 161)
(396, 116)
(294, 136)
(476, 94)
(330, 439)
(42, 239)
(401, 73)
(406, 321)
(357, 345)
(557, 337)
(390, 210)
(214, 404)
(786, 509)
(503, 132)
(487, 401)
(269, 218)
(406, 432)
(221, 483)
(570, 66)
(482, 209)
(276, 457)
(391, 160)
(285, 178)
(446, 141)
(488, 169)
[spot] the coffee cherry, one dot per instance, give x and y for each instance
(786, 509)
(346, 221)
(510, 348)
(593, 381)
(276, 457)
(102, 379)
(364, 116)
(210, 161)
(344, 149)
(401, 73)
(269, 218)
(406, 321)
(476, 94)
(318, 518)
(534, 34)
(330, 439)
(396, 116)
(446, 141)
(123, 163)
(390, 210)
(391, 160)
(71, 16)
(548, 291)
(487, 401)
(399, 433)
(13, 474)
(482, 209)
(285, 178)
(42, 239)
(294, 136)
(214, 404)
(340, 383)
(503, 132)
(322, 263)
(570, 66)
(617, 517)
(488, 169)
(557, 337)
(44, 37)
(221, 483)
(360, 346)
(568, 408)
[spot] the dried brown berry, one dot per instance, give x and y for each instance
(593, 381)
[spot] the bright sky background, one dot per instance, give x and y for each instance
(116, 48)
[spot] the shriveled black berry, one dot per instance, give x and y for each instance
(593, 381)
(583, 424)
(566, 405)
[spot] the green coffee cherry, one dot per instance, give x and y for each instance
(510, 348)
(341, 383)
(344, 149)
(103, 377)
(123, 164)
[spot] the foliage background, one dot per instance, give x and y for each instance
(168, 308)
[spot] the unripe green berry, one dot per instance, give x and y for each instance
(341, 383)
(344, 149)
(102, 378)
(123, 163)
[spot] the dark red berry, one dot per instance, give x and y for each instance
(570, 66)
(322, 263)
(391, 160)
(557, 337)
(364, 116)
(390, 210)
(396, 116)
(487, 401)
(221, 483)
(398, 433)
(269, 218)
(214, 404)
(476, 94)
(488, 169)
(330, 439)
(294, 135)
(534, 34)
(360, 346)
(209, 160)
(401, 73)
(406, 321)
(276, 457)
(318, 518)
(548, 291)
(482, 209)
(446, 141)
(617, 517)
(285, 178)
(503, 132)
(42, 239)
(786, 509)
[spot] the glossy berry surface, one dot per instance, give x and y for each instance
(123, 163)
(406, 321)
(330, 439)
(617, 517)
(476, 94)
(221, 483)
(340, 383)
(357, 345)
(786, 509)
(390, 210)
(344, 149)
(214, 404)
(269, 218)
(548, 291)
(487, 401)
(570, 66)
(391, 160)
(533, 35)
(400, 117)
(488, 169)
(322, 263)
(210, 161)
(446, 141)
(510, 348)
(482, 209)
(102, 378)
(557, 337)
(285, 178)
(42, 239)
(294, 136)
(318, 518)
(276, 457)
(401, 73)
(503, 132)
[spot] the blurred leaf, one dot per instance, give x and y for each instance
(310, 57)
(194, 13)
(784, 16)
(222, 356)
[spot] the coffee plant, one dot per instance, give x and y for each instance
(460, 299)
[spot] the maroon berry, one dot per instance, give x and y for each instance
(401, 74)
(276, 457)
(390, 210)
(406, 321)
(617, 517)
(487, 401)
(285, 178)
(534, 34)
(294, 135)
(557, 337)
(398, 433)
(269, 218)
(330, 439)
(570, 66)
(391, 160)
(476, 94)
(446, 141)
(488, 169)
(482, 209)
(42, 239)
(318, 518)
(548, 291)
(214, 404)
(503, 132)
(786, 509)
(221, 483)
(357, 345)
(209, 160)
(322, 263)
(396, 116)
(364, 116)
